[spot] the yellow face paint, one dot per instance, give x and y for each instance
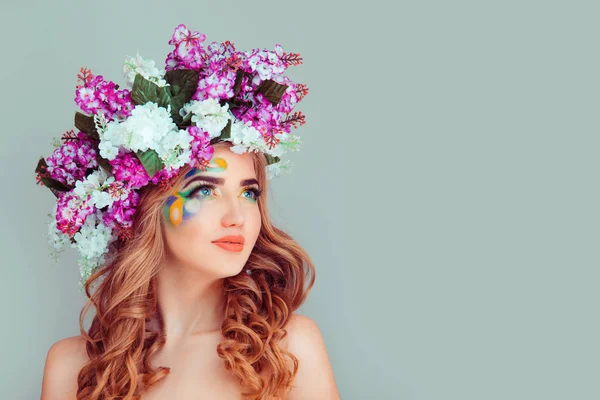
(180, 206)
(176, 208)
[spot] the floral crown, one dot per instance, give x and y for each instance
(129, 138)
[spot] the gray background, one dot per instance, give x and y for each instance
(447, 186)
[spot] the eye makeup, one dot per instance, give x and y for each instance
(187, 202)
(183, 205)
(195, 186)
(180, 205)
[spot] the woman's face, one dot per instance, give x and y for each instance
(209, 205)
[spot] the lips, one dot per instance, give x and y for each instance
(236, 247)
(236, 239)
(231, 243)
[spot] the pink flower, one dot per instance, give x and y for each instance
(164, 175)
(71, 212)
(70, 162)
(202, 151)
(216, 86)
(188, 53)
(100, 95)
(119, 214)
(128, 169)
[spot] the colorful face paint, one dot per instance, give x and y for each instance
(173, 208)
(221, 165)
(180, 206)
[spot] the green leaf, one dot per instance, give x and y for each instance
(52, 184)
(144, 91)
(186, 121)
(237, 103)
(239, 77)
(270, 159)
(184, 83)
(85, 123)
(226, 132)
(151, 161)
(164, 97)
(41, 166)
(104, 163)
(272, 90)
(186, 80)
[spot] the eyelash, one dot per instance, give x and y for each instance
(257, 192)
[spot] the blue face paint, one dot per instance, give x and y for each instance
(180, 205)
(221, 165)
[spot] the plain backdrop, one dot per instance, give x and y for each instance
(446, 187)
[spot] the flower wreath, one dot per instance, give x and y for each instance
(129, 138)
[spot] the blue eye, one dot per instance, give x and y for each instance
(255, 191)
(201, 189)
(207, 190)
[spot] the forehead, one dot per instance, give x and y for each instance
(225, 163)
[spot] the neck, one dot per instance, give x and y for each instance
(190, 302)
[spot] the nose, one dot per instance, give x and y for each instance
(233, 214)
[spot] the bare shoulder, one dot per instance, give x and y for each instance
(315, 379)
(63, 363)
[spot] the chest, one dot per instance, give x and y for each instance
(197, 372)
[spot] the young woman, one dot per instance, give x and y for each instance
(196, 297)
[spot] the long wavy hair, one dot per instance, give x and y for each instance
(258, 306)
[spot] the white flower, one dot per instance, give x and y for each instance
(107, 150)
(274, 170)
(183, 158)
(209, 115)
(245, 138)
(96, 186)
(56, 239)
(93, 181)
(101, 199)
(239, 149)
(244, 133)
(147, 126)
(92, 243)
(287, 142)
(174, 149)
(137, 65)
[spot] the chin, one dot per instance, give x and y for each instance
(224, 270)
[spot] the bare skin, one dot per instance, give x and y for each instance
(191, 303)
(199, 370)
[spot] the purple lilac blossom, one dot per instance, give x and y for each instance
(120, 212)
(71, 212)
(201, 148)
(128, 169)
(99, 95)
(188, 53)
(69, 162)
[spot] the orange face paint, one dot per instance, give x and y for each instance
(174, 209)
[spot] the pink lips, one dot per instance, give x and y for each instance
(230, 243)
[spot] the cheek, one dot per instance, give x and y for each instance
(173, 210)
(186, 225)
(178, 209)
(191, 237)
(254, 222)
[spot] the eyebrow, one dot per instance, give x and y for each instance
(217, 181)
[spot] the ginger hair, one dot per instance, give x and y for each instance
(119, 342)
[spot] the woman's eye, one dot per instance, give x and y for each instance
(203, 190)
(207, 191)
(252, 194)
